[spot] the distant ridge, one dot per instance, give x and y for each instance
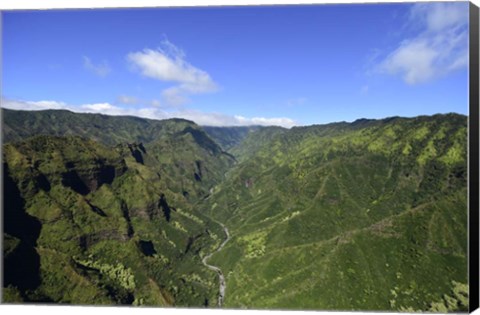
(20, 124)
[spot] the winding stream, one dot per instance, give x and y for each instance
(221, 277)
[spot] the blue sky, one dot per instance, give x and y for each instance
(280, 65)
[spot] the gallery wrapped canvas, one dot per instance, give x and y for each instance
(275, 157)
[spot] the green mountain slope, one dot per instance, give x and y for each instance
(230, 137)
(91, 224)
(254, 142)
(370, 215)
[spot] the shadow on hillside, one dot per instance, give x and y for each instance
(22, 265)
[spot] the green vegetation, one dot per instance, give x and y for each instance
(370, 215)
(364, 216)
(89, 223)
(117, 273)
(229, 137)
(456, 301)
(109, 130)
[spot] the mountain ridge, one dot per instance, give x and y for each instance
(321, 217)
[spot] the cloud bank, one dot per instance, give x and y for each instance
(440, 47)
(201, 118)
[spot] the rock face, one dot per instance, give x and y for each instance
(163, 204)
(86, 181)
(137, 151)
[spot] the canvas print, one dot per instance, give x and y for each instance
(294, 157)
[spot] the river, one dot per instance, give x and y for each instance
(221, 277)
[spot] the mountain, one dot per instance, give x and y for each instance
(229, 137)
(90, 223)
(109, 130)
(252, 144)
(369, 215)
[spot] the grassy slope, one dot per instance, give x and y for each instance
(370, 215)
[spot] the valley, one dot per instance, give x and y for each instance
(221, 277)
(368, 215)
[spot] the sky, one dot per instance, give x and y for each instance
(230, 66)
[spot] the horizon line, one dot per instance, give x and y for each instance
(238, 126)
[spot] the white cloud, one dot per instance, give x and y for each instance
(262, 121)
(109, 109)
(167, 63)
(440, 47)
(205, 119)
(217, 119)
(201, 118)
(28, 105)
(99, 107)
(414, 60)
(101, 69)
(439, 16)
